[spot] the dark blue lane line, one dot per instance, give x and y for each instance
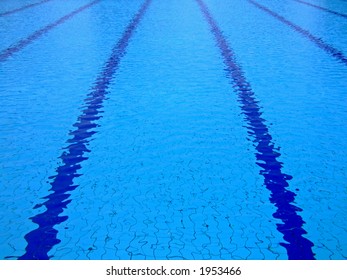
(316, 40)
(41, 240)
(23, 8)
(7, 53)
(298, 247)
(322, 8)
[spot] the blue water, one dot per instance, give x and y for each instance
(171, 165)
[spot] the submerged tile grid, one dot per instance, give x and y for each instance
(206, 234)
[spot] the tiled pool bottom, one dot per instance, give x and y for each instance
(180, 129)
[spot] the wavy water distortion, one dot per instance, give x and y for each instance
(318, 41)
(23, 8)
(7, 53)
(41, 240)
(321, 8)
(275, 180)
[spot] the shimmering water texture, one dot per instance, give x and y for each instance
(178, 129)
(10, 12)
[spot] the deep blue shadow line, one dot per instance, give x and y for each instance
(23, 8)
(322, 8)
(41, 240)
(275, 180)
(316, 40)
(7, 53)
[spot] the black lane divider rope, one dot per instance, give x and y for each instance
(23, 8)
(275, 180)
(321, 8)
(41, 240)
(5, 54)
(318, 41)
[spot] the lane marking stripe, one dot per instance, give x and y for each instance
(298, 247)
(7, 53)
(317, 41)
(322, 8)
(41, 240)
(23, 8)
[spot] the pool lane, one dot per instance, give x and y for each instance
(8, 5)
(18, 26)
(40, 88)
(337, 54)
(303, 91)
(2, 14)
(170, 166)
(322, 8)
(267, 153)
(328, 27)
(41, 240)
(18, 46)
(193, 136)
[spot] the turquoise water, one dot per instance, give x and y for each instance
(172, 169)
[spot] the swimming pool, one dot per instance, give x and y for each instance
(178, 129)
